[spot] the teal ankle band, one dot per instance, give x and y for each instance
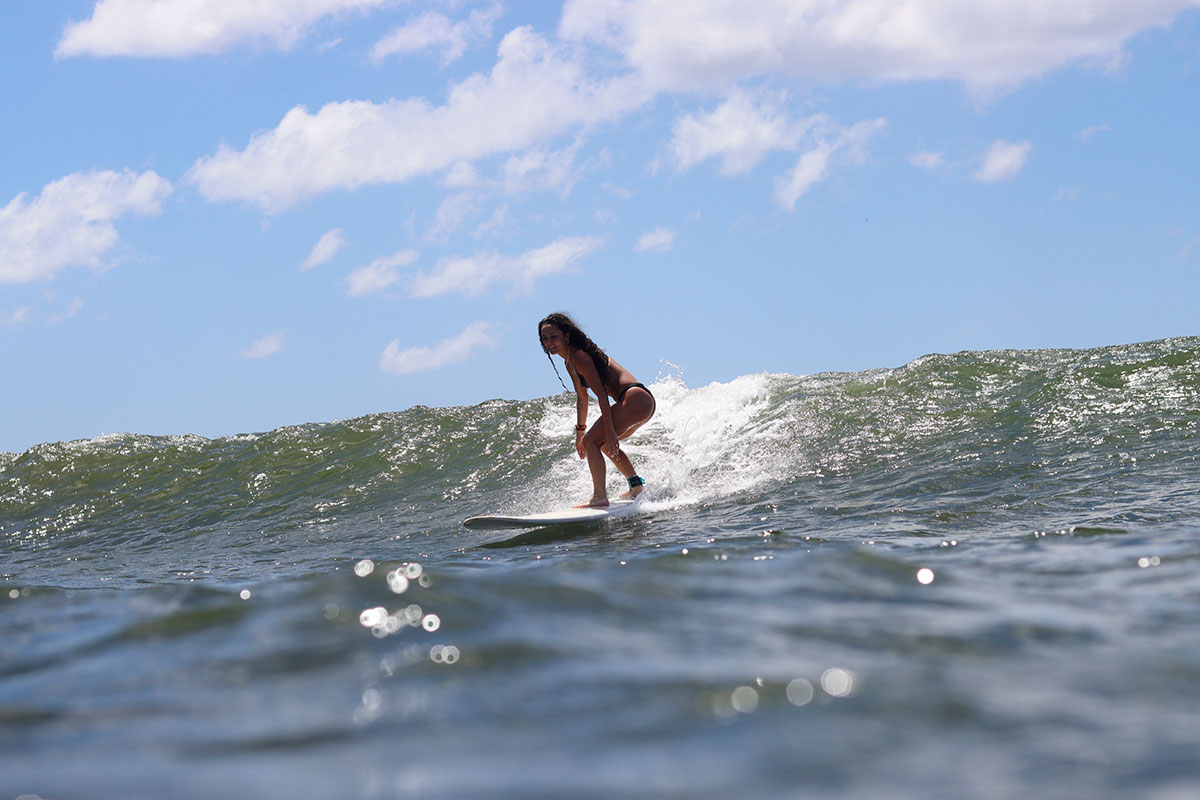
(636, 481)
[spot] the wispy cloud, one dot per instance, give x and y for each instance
(75, 307)
(325, 249)
(1003, 161)
(535, 91)
(741, 131)
(659, 240)
(406, 361)
(15, 317)
(814, 165)
(988, 45)
(266, 346)
(183, 28)
(432, 31)
(379, 274)
(746, 127)
(71, 223)
(1188, 248)
(926, 160)
(473, 274)
(1090, 131)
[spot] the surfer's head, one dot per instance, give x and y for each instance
(554, 333)
(573, 338)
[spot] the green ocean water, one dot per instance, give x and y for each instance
(971, 576)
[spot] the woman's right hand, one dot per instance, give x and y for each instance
(579, 448)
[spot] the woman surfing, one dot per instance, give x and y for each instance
(631, 407)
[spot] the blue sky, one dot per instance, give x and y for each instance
(219, 217)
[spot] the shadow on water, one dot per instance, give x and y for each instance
(547, 535)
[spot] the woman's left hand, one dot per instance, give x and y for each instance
(612, 445)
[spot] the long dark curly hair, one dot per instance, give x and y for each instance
(576, 340)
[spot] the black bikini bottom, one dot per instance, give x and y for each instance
(628, 386)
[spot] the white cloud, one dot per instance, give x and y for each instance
(75, 307)
(1089, 132)
(1186, 253)
(500, 218)
(379, 274)
(985, 44)
(532, 93)
(538, 169)
(471, 275)
(182, 28)
(70, 224)
(451, 214)
(325, 249)
(745, 128)
(533, 170)
(477, 336)
(926, 160)
(267, 346)
(813, 166)
(15, 317)
(1003, 161)
(659, 240)
(741, 132)
(432, 31)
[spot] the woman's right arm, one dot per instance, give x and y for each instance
(581, 412)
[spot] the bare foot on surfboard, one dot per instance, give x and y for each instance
(595, 502)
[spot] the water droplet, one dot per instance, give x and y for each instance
(372, 617)
(799, 692)
(364, 568)
(837, 682)
(397, 582)
(443, 654)
(744, 699)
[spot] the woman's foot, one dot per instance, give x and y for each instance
(636, 486)
(595, 502)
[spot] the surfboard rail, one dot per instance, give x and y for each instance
(562, 516)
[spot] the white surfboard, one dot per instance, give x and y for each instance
(565, 516)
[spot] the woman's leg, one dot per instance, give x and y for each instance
(634, 410)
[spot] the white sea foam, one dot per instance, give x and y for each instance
(702, 443)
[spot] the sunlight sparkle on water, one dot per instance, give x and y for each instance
(799, 692)
(925, 576)
(744, 699)
(838, 682)
(397, 582)
(443, 654)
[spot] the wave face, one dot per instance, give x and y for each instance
(1004, 439)
(786, 518)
